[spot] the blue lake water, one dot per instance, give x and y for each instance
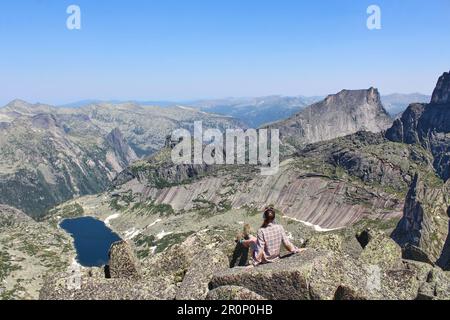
(92, 240)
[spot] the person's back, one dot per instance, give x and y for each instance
(270, 238)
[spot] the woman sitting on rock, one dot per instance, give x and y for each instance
(269, 240)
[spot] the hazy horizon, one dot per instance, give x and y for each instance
(187, 101)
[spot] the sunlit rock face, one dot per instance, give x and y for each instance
(441, 94)
(341, 114)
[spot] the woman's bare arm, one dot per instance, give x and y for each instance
(288, 244)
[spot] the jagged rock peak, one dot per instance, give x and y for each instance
(441, 94)
(115, 136)
(120, 145)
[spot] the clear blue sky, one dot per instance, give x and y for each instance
(187, 49)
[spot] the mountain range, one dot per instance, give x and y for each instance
(355, 188)
(256, 111)
(50, 155)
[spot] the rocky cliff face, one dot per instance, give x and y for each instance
(425, 223)
(429, 126)
(344, 113)
(45, 161)
(424, 228)
(122, 150)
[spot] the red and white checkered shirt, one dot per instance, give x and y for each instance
(269, 241)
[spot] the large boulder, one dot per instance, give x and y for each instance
(411, 252)
(331, 242)
(57, 288)
(186, 268)
(122, 262)
(195, 283)
(337, 242)
(437, 286)
(232, 293)
(321, 275)
(120, 280)
(434, 283)
(380, 251)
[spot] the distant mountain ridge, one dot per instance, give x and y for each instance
(257, 111)
(396, 103)
(52, 154)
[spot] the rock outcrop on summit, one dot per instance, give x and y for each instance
(197, 269)
(441, 94)
(341, 114)
(429, 126)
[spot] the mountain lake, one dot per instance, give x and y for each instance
(92, 239)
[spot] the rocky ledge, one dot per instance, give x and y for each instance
(198, 269)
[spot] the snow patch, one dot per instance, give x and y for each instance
(162, 234)
(132, 233)
(152, 224)
(314, 226)
(111, 217)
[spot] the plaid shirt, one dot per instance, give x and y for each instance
(269, 241)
